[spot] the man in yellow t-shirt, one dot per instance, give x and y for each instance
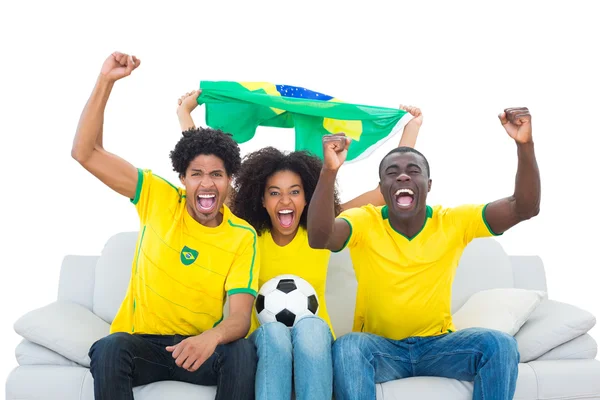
(405, 256)
(191, 253)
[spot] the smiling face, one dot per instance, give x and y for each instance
(206, 184)
(404, 184)
(284, 201)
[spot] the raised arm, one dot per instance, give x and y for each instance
(324, 231)
(408, 139)
(524, 204)
(87, 149)
(185, 105)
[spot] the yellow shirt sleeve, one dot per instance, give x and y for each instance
(358, 220)
(243, 275)
(470, 218)
(152, 189)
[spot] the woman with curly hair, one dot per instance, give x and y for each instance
(272, 192)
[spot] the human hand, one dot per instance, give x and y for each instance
(119, 65)
(192, 352)
(517, 122)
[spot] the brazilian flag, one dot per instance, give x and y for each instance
(239, 108)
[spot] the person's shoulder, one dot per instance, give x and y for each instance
(237, 225)
(462, 210)
(158, 189)
(366, 211)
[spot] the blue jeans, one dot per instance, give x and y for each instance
(307, 346)
(486, 357)
(122, 361)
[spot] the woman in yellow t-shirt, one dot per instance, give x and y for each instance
(272, 192)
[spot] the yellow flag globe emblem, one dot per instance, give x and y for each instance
(188, 256)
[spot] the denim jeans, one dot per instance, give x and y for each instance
(305, 349)
(486, 357)
(122, 361)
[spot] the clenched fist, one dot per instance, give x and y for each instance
(517, 122)
(335, 150)
(119, 65)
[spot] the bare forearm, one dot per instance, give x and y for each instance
(232, 328)
(89, 130)
(527, 194)
(410, 134)
(185, 120)
(373, 197)
(321, 212)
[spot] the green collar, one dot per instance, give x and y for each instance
(428, 212)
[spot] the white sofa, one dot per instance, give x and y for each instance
(559, 362)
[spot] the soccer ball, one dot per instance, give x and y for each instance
(286, 299)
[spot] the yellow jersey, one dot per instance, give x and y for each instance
(296, 258)
(405, 284)
(183, 270)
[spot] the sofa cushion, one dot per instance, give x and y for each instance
(30, 382)
(505, 310)
(29, 353)
(550, 325)
(68, 329)
(582, 347)
(484, 265)
(567, 379)
(433, 388)
(174, 390)
(68, 383)
(113, 271)
(564, 380)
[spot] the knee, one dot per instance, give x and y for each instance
(500, 344)
(109, 347)
(275, 336)
(242, 351)
(110, 344)
(312, 331)
(348, 347)
(312, 334)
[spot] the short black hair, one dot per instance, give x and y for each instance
(404, 149)
(257, 168)
(208, 141)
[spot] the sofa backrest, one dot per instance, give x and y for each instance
(113, 271)
(484, 265)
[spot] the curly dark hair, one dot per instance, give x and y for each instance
(208, 141)
(252, 178)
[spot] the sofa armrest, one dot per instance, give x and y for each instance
(66, 328)
(77, 276)
(29, 353)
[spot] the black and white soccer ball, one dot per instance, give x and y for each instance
(286, 299)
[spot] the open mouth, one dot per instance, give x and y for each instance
(206, 202)
(286, 218)
(404, 198)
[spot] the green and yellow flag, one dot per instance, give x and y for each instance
(240, 107)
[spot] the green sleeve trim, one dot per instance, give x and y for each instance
(253, 251)
(349, 236)
(486, 223)
(242, 290)
(138, 189)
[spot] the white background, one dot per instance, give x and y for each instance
(461, 62)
